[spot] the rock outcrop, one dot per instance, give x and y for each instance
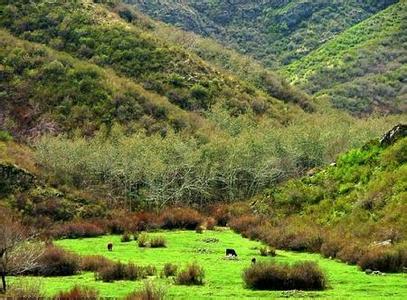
(14, 178)
(397, 132)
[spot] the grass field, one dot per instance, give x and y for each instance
(223, 277)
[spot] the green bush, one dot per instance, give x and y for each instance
(125, 238)
(158, 242)
(143, 240)
(169, 269)
(193, 274)
(5, 136)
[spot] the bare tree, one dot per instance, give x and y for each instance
(19, 252)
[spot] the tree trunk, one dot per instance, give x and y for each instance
(3, 280)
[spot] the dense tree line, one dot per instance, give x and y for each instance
(233, 164)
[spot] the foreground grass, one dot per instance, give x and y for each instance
(223, 277)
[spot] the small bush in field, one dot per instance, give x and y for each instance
(135, 236)
(169, 270)
(94, 263)
(149, 270)
(149, 292)
(57, 262)
(193, 274)
(120, 271)
(383, 259)
(271, 276)
(125, 238)
(117, 271)
(267, 251)
(181, 218)
(142, 240)
(133, 272)
(78, 293)
(158, 242)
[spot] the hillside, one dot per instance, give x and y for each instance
(353, 210)
(362, 69)
(120, 42)
(45, 91)
(351, 51)
(139, 139)
(273, 31)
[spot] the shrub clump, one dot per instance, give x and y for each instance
(169, 270)
(25, 288)
(331, 247)
(154, 242)
(77, 293)
(158, 242)
(384, 259)
(351, 253)
(77, 229)
(142, 240)
(57, 262)
(193, 274)
(244, 223)
(149, 292)
(125, 238)
(94, 263)
(267, 251)
(210, 223)
(272, 276)
(181, 218)
(120, 271)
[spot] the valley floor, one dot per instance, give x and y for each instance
(223, 278)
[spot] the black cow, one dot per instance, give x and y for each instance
(253, 260)
(231, 252)
(110, 247)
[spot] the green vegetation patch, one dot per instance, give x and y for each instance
(223, 278)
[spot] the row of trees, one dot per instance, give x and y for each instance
(235, 164)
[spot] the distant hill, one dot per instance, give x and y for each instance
(273, 31)
(352, 51)
(363, 69)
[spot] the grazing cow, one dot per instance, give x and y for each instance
(253, 260)
(110, 247)
(231, 252)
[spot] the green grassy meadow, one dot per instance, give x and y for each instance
(222, 277)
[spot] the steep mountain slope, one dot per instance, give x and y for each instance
(362, 69)
(45, 91)
(274, 31)
(114, 38)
